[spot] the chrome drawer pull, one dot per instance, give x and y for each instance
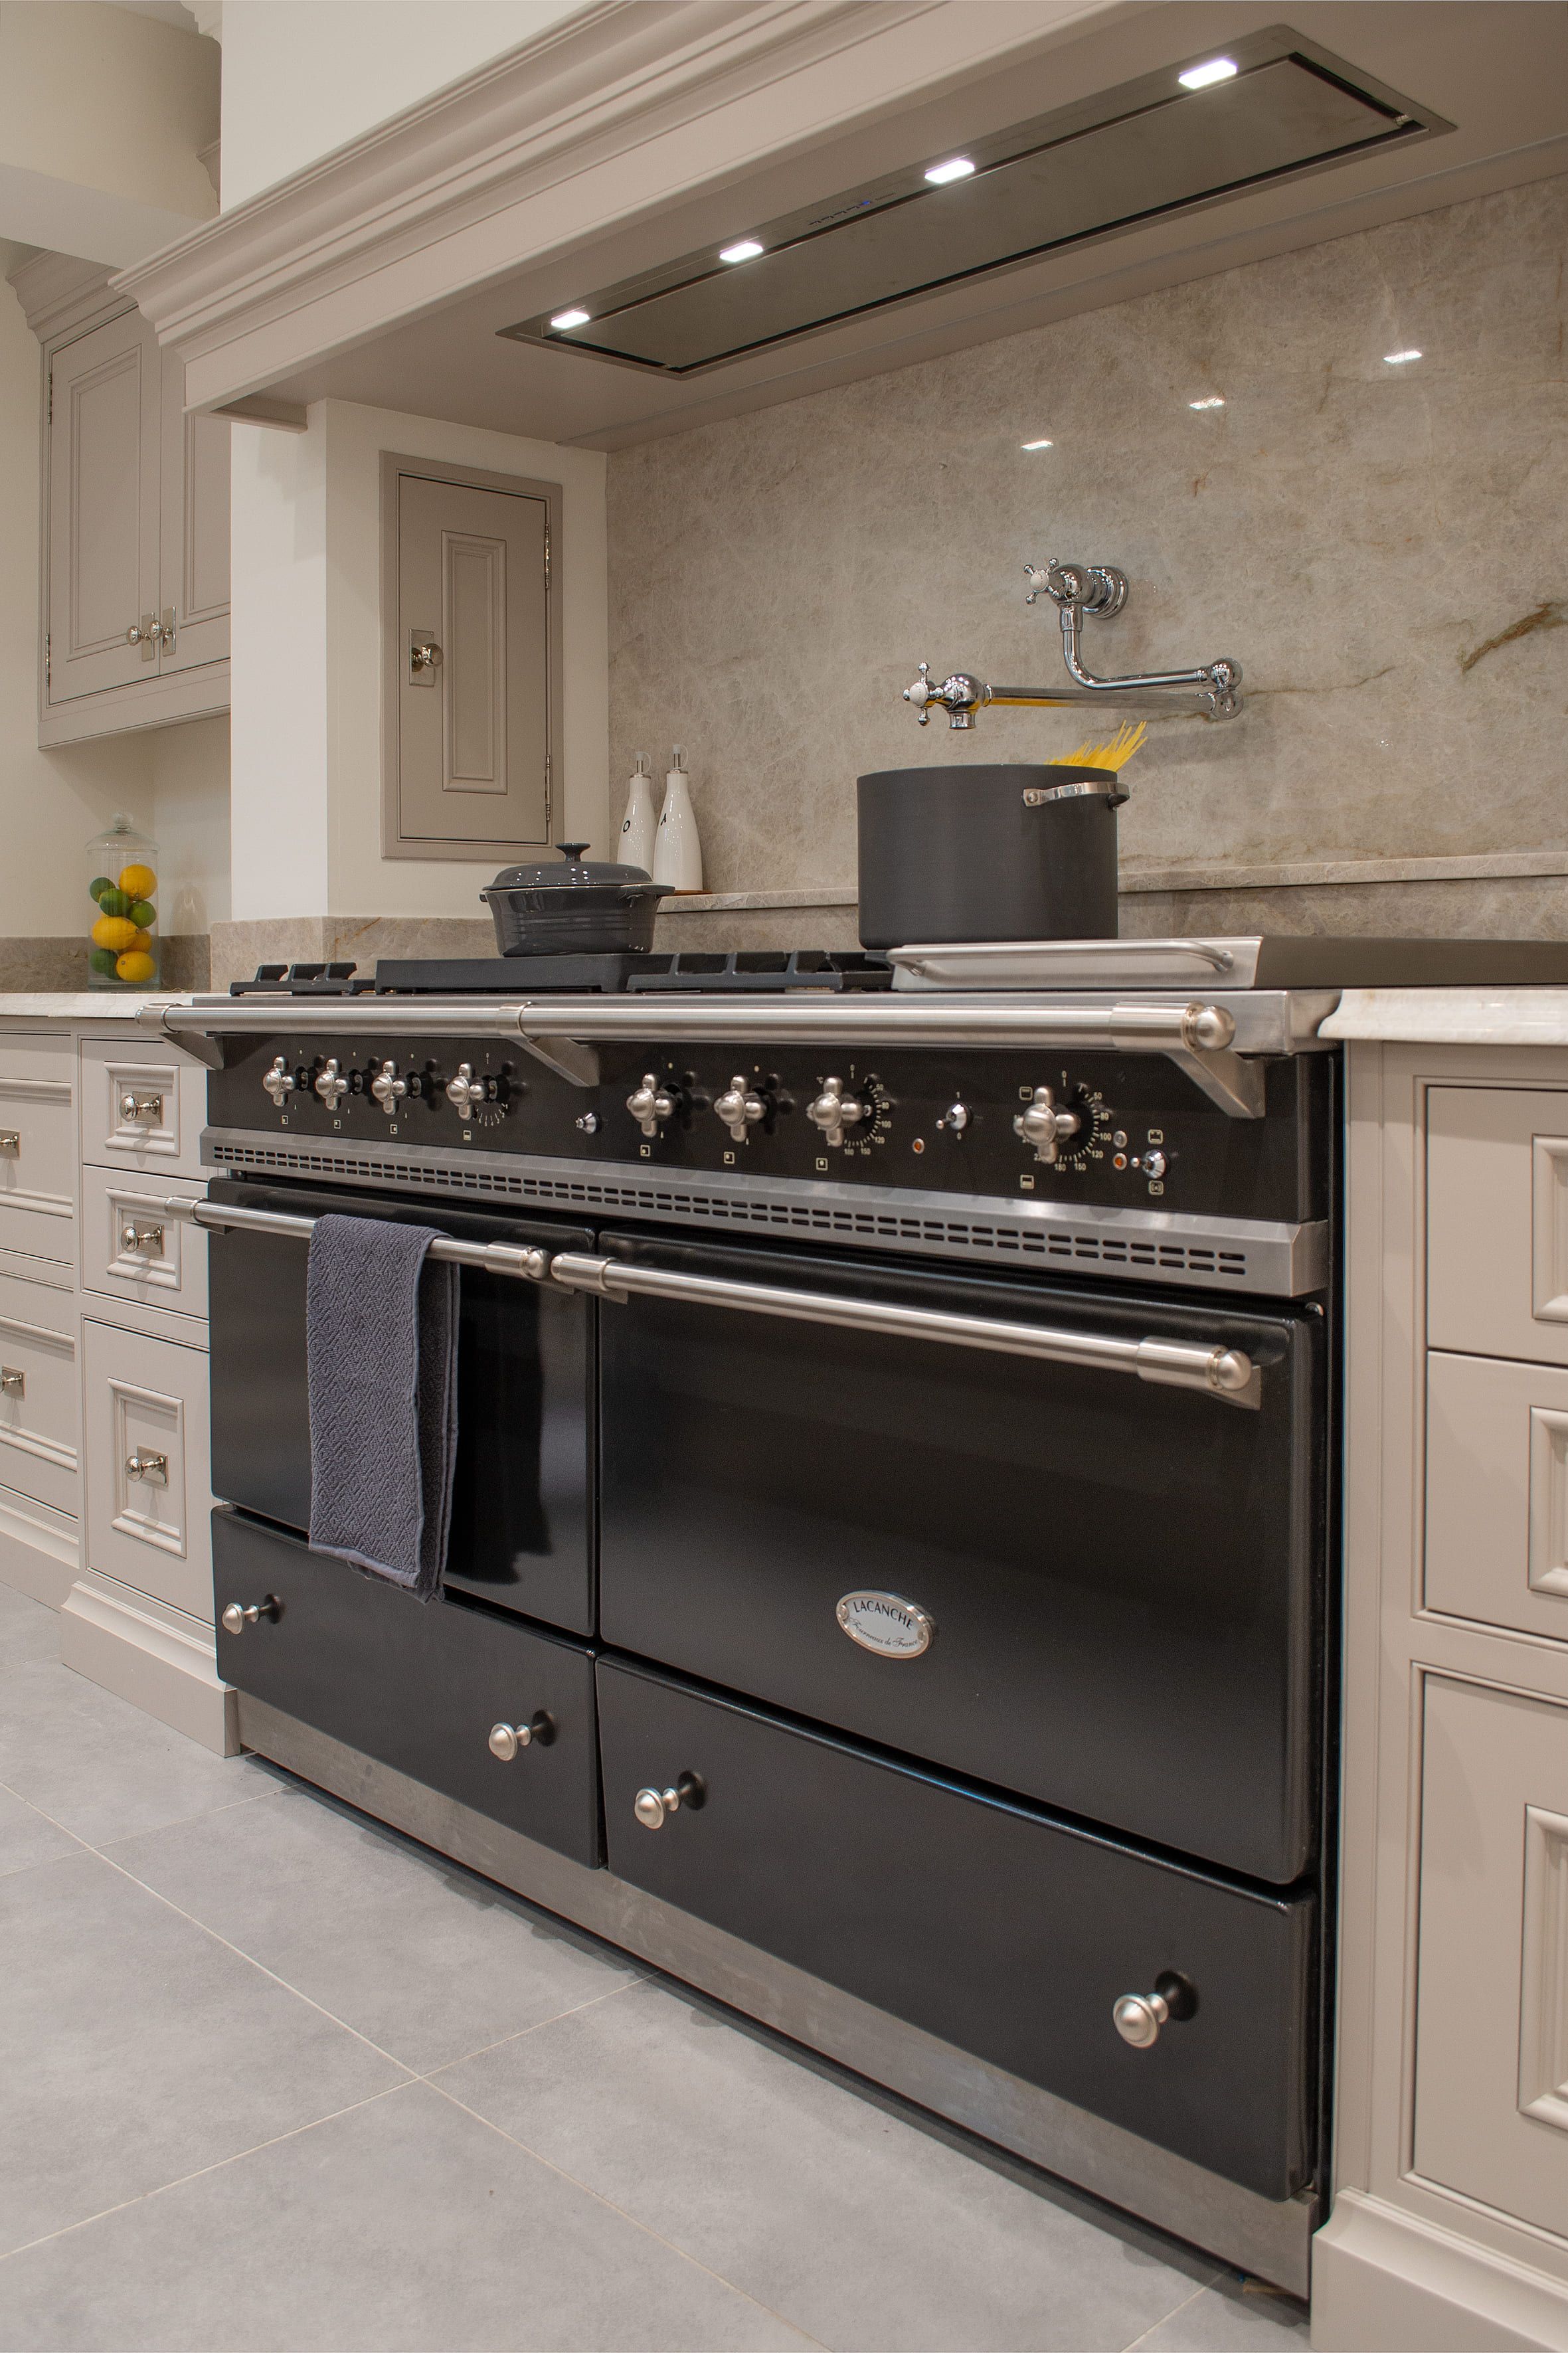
(1224, 1372)
(10, 1144)
(240, 1615)
(142, 1242)
(654, 1807)
(152, 1470)
(140, 1111)
(509, 1740)
(12, 1382)
(1140, 2016)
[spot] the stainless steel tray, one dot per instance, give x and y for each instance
(1077, 964)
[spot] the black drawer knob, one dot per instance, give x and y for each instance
(1140, 2016)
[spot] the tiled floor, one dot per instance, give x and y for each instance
(275, 2079)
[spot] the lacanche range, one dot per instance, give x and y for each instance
(891, 1582)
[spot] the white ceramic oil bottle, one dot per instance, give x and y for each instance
(640, 822)
(677, 851)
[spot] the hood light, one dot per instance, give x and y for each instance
(1399, 359)
(957, 167)
(745, 248)
(1203, 77)
(563, 319)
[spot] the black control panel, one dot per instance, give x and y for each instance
(1123, 1131)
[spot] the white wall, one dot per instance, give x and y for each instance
(302, 77)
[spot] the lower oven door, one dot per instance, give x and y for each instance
(521, 1505)
(1007, 1933)
(1081, 1585)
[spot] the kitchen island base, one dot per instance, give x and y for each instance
(1270, 2238)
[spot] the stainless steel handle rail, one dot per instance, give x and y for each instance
(1220, 1371)
(492, 1258)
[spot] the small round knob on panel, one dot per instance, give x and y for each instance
(740, 1107)
(588, 1121)
(651, 1104)
(240, 1615)
(279, 1081)
(1154, 1163)
(1138, 2017)
(653, 1807)
(1045, 1127)
(833, 1110)
(955, 1118)
(387, 1088)
(331, 1083)
(464, 1089)
(509, 1740)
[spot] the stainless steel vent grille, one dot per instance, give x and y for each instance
(1281, 1261)
(1147, 149)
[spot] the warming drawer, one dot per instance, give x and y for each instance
(429, 1688)
(1003, 1932)
(1091, 1589)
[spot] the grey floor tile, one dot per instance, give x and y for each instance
(100, 1767)
(428, 1960)
(402, 2227)
(1227, 2318)
(869, 2234)
(27, 1837)
(27, 1629)
(134, 2048)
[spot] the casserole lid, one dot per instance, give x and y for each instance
(573, 872)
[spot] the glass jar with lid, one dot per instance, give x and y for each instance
(123, 945)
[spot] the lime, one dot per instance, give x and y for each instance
(113, 902)
(142, 914)
(96, 889)
(101, 960)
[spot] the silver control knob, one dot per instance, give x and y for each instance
(509, 1740)
(1045, 1127)
(740, 1108)
(387, 1088)
(588, 1121)
(240, 1615)
(651, 1104)
(955, 1118)
(279, 1082)
(1138, 2017)
(834, 1111)
(464, 1089)
(1154, 1163)
(653, 1807)
(331, 1084)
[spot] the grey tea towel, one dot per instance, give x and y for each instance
(381, 1338)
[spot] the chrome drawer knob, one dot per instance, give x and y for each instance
(833, 1110)
(152, 1470)
(387, 1088)
(509, 1740)
(654, 1807)
(650, 1105)
(142, 1242)
(240, 1615)
(140, 1110)
(331, 1084)
(279, 1081)
(740, 1108)
(1139, 2017)
(12, 1382)
(10, 1144)
(464, 1089)
(1044, 1127)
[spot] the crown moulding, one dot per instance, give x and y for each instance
(536, 152)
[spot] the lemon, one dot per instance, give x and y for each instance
(142, 941)
(138, 881)
(136, 966)
(113, 931)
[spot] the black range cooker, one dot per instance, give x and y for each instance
(889, 1569)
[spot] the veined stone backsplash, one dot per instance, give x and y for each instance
(1383, 548)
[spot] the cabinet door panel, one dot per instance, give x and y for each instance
(148, 1490)
(1497, 1222)
(196, 557)
(1491, 2033)
(102, 552)
(1496, 1493)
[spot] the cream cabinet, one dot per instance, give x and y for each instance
(135, 525)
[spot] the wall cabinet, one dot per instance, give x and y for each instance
(135, 519)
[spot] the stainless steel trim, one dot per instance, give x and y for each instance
(1079, 964)
(1270, 2239)
(492, 1258)
(1241, 1254)
(1219, 1370)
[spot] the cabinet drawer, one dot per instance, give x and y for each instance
(992, 1925)
(138, 1242)
(38, 1147)
(143, 1107)
(1496, 1221)
(39, 1404)
(1496, 1493)
(148, 1496)
(1491, 2026)
(418, 1685)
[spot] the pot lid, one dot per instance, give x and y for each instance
(573, 872)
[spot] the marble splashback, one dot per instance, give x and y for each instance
(1381, 546)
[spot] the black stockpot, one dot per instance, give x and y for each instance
(1024, 851)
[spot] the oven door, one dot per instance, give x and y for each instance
(1064, 1578)
(521, 1506)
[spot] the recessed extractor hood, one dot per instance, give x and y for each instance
(1269, 107)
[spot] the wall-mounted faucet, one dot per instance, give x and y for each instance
(1078, 590)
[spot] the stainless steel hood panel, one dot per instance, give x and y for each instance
(1088, 171)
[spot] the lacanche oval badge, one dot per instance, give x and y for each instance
(886, 1623)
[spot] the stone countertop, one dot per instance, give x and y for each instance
(81, 1007)
(1452, 1017)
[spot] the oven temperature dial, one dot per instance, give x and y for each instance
(833, 1110)
(1046, 1126)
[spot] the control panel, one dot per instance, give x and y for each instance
(1114, 1130)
